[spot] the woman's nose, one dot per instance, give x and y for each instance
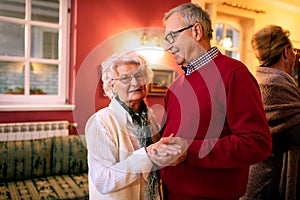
(134, 82)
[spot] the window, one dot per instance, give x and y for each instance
(33, 51)
(228, 40)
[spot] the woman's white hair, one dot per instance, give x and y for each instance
(108, 69)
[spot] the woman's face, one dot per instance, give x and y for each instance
(291, 57)
(130, 83)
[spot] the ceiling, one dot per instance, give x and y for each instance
(288, 4)
(291, 2)
(293, 5)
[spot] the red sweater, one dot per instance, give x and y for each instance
(218, 109)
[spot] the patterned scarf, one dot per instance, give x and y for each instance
(145, 138)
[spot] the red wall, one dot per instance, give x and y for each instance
(92, 23)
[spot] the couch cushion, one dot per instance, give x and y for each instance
(25, 159)
(74, 186)
(69, 155)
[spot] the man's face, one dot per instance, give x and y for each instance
(178, 43)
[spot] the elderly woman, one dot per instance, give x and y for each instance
(121, 136)
(281, 99)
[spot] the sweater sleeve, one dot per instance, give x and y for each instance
(107, 171)
(245, 138)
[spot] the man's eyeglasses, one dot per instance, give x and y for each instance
(170, 37)
(126, 78)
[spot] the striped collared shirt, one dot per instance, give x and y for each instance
(201, 61)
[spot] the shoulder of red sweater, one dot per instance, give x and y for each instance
(225, 63)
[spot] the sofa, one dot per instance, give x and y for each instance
(46, 168)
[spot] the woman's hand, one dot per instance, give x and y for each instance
(168, 151)
(161, 147)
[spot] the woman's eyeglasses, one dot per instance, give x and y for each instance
(170, 37)
(295, 51)
(126, 78)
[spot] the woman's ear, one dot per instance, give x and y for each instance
(286, 52)
(112, 85)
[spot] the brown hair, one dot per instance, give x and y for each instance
(268, 44)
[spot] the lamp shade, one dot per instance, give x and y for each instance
(151, 53)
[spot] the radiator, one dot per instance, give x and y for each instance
(33, 130)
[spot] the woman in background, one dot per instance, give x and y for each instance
(281, 99)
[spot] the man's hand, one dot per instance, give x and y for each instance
(169, 151)
(162, 148)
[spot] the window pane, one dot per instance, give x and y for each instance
(234, 34)
(11, 39)
(14, 8)
(43, 79)
(219, 32)
(44, 42)
(233, 54)
(46, 11)
(11, 77)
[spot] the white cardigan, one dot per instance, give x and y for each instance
(118, 166)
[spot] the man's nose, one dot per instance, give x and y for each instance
(168, 47)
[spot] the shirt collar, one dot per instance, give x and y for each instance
(201, 61)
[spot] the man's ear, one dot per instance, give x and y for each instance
(197, 31)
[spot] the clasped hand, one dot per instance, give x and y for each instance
(168, 151)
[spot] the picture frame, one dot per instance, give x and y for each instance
(162, 78)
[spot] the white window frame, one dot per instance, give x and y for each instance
(41, 102)
(236, 26)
